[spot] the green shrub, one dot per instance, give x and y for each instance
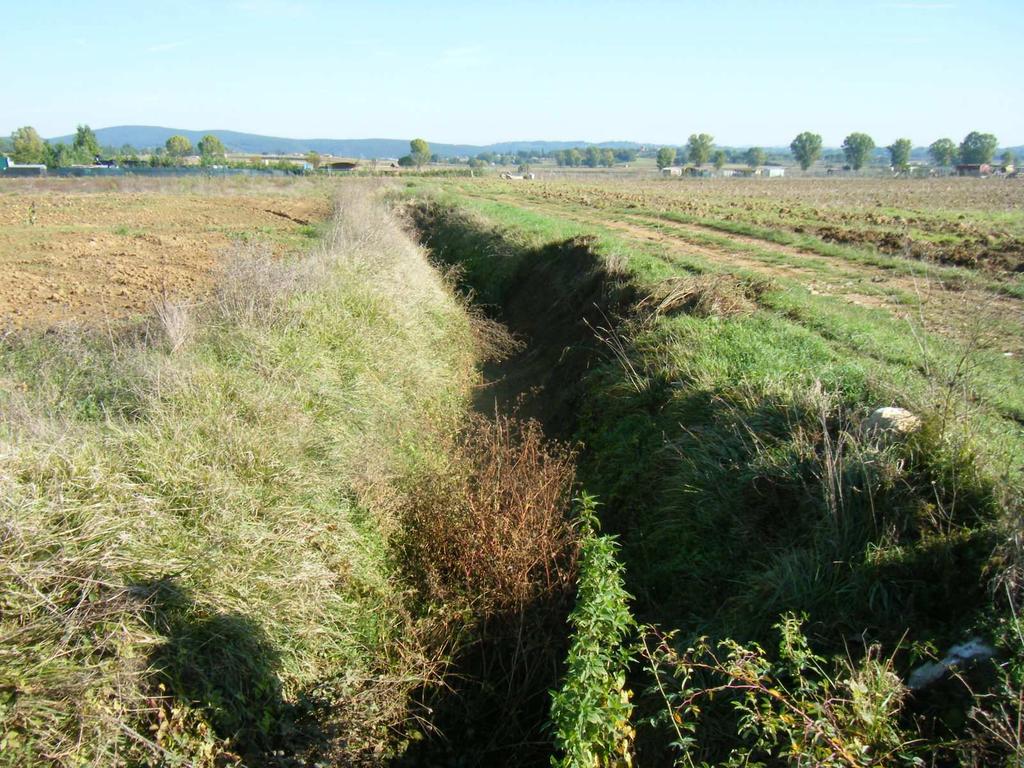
(590, 714)
(797, 710)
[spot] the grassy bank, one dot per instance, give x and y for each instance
(196, 560)
(722, 417)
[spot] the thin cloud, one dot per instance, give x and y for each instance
(162, 47)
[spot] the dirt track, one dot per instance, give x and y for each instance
(84, 258)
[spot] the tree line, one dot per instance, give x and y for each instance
(857, 149)
(27, 146)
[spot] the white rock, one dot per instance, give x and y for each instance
(891, 421)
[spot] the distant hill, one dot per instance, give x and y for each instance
(148, 137)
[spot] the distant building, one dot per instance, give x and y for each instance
(979, 170)
(334, 164)
(672, 170)
(772, 172)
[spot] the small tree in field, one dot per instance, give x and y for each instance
(419, 151)
(899, 154)
(718, 159)
(178, 146)
(943, 152)
(806, 148)
(666, 156)
(755, 157)
(313, 158)
(857, 148)
(699, 147)
(86, 144)
(211, 148)
(1008, 158)
(27, 146)
(978, 147)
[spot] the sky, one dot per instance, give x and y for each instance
(746, 71)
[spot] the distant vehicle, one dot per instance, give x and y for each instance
(10, 168)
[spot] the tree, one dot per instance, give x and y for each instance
(857, 147)
(419, 151)
(574, 158)
(62, 155)
(178, 146)
(719, 158)
(699, 147)
(1008, 158)
(211, 148)
(607, 158)
(943, 152)
(27, 146)
(978, 147)
(86, 143)
(592, 157)
(313, 158)
(806, 148)
(755, 157)
(899, 154)
(625, 155)
(666, 156)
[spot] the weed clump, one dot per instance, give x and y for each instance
(715, 295)
(492, 532)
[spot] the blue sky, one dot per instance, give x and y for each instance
(478, 72)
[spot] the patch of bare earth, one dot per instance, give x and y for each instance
(70, 257)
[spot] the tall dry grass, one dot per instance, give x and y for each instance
(195, 514)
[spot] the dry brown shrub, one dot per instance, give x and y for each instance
(494, 532)
(175, 321)
(493, 340)
(706, 296)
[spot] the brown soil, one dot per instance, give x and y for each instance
(68, 257)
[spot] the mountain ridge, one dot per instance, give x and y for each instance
(150, 136)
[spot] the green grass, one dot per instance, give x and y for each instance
(195, 560)
(727, 452)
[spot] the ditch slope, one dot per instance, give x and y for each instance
(718, 422)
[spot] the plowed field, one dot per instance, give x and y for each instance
(74, 256)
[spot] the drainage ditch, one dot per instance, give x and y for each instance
(554, 299)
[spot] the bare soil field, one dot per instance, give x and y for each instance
(83, 251)
(977, 223)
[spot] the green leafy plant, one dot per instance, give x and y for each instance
(795, 708)
(591, 713)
